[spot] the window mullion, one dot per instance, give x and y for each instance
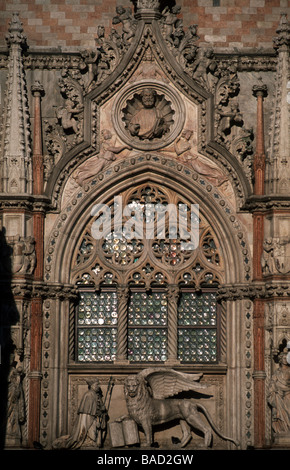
(122, 295)
(172, 300)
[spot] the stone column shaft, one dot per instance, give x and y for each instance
(123, 294)
(38, 167)
(172, 298)
(259, 159)
(36, 304)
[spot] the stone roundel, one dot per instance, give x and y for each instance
(148, 115)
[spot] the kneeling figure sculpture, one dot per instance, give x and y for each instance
(147, 401)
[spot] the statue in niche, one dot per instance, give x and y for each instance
(148, 115)
(98, 162)
(91, 423)
(30, 256)
(182, 148)
(275, 258)
(24, 257)
(228, 117)
(279, 395)
(16, 405)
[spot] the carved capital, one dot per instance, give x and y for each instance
(37, 89)
(260, 89)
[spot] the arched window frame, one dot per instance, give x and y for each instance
(94, 271)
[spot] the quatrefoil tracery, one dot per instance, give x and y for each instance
(160, 260)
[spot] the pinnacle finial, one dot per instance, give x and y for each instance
(147, 4)
(15, 32)
(147, 9)
(283, 31)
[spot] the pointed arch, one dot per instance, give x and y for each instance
(161, 171)
(148, 36)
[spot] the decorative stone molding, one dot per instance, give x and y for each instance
(282, 41)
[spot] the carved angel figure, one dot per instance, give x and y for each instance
(124, 16)
(148, 404)
(98, 162)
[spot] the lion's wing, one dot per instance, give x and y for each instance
(168, 382)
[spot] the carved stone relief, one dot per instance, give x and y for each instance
(183, 150)
(278, 370)
(276, 256)
(20, 258)
(229, 125)
(107, 154)
(166, 115)
(279, 395)
(148, 115)
(65, 131)
(90, 427)
(148, 409)
(16, 412)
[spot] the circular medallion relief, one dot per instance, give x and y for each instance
(148, 115)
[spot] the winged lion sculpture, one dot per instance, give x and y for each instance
(147, 393)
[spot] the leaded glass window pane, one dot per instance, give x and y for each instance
(97, 326)
(147, 344)
(197, 327)
(145, 267)
(147, 320)
(148, 309)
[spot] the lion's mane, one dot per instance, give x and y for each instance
(141, 403)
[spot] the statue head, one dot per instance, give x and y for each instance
(120, 10)
(148, 97)
(106, 134)
(283, 357)
(94, 385)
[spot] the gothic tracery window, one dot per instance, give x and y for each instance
(147, 298)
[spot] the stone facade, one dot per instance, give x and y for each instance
(158, 104)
